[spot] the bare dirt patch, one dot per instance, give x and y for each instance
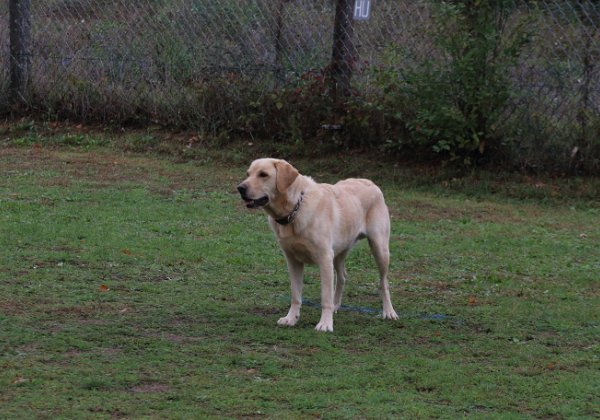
(87, 314)
(12, 308)
(150, 388)
(426, 211)
(105, 168)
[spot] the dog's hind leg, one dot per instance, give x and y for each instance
(382, 257)
(379, 237)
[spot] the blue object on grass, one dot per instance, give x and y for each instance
(372, 311)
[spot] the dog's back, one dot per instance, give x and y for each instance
(365, 191)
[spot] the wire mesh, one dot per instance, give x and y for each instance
(118, 58)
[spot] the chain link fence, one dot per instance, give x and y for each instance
(184, 62)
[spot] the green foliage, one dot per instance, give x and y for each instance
(293, 113)
(303, 114)
(452, 102)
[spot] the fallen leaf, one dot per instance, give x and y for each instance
(472, 301)
(18, 380)
(126, 251)
(192, 141)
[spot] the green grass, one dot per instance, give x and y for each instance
(137, 286)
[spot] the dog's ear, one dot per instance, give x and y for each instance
(286, 175)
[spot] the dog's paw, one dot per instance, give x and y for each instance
(324, 326)
(390, 314)
(288, 321)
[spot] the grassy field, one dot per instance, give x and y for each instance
(133, 285)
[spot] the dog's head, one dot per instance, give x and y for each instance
(267, 178)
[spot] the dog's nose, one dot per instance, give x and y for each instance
(242, 189)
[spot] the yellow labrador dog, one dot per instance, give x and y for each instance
(318, 224)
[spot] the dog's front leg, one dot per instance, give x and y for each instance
(327, 305)
(296, 270)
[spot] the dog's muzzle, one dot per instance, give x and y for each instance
(250, 202)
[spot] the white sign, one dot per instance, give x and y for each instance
(362, 9)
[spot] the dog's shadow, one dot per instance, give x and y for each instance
(377, 312)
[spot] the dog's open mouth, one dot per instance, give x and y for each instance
(253, 204)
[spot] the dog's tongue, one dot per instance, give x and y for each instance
(253, 204)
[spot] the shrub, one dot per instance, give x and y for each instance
(304, 114)
(293, 113)
(452, 102)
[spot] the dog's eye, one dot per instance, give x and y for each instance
(263, 175)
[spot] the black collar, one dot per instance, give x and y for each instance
(286, 220)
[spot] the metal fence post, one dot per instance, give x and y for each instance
(343, 56)
(20, 42)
